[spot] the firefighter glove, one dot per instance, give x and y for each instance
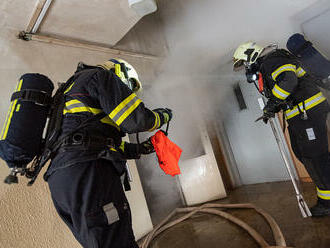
(272, 107)
(146, 147)
(267, 115)
(129, 150)
(165, 115)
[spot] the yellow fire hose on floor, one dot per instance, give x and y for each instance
(214, 209)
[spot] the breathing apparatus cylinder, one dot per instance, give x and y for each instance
(21, 135)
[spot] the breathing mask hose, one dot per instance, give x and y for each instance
(167, 126)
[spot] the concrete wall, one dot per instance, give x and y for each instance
(315, 27)
(27, 217)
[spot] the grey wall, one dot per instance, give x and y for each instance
(317, 30)
(253, 144)
(27, 216)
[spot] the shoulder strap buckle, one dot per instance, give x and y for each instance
(41, 98)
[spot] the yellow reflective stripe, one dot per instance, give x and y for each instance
(157, 121)
(10, 113)
(122, 105)
(82, 109)
(18, 107)
(280, 93)
(128, 112)
(107, 120)
(277, 95)
(118, 70)
(68, 89)
(7, 119)
(74, 101)
(300, 72)
(283, 68)
(309, 103)
(122, 146)
(323, 194)
(76, 106)
(113, 149)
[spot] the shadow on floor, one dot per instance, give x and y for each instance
(278, 199)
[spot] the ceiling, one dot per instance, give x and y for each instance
(100, 21)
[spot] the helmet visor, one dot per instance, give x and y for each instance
(135, 84)
(238, 64)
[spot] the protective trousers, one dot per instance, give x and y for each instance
(309, 142)
(89, 198)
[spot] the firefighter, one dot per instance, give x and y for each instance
(280, 78)
(85, 176)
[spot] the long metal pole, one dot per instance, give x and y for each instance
(301, 202)
(83, 45)
(41, 16)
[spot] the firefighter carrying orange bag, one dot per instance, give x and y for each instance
(168, 153)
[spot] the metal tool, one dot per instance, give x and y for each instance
(301, 202)
(129, 173)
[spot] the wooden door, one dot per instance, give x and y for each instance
(302, 173)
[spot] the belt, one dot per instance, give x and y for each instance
(81, 140)
(305, 105)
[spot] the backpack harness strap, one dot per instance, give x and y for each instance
(38, 97)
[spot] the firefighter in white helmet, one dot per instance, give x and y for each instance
(279, 76)
(84, 176)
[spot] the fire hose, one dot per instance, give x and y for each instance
(212, 209)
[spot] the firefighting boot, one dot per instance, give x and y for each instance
(320, 210)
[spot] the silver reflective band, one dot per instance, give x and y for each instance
(280, 93)
(323, 194)
(283, 68)
(111, 212)
(300, 72)
(125, 108)
(76, 105)
(309, 103)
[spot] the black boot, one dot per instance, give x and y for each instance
(320, 210)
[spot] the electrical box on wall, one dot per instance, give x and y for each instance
(143, 7)
(239, 97)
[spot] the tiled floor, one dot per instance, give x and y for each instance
(278, 199)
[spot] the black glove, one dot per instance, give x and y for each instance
(146, 147)
(130, 150)
(134, 151)
(165, 115)
(267, 115)
(272, 107)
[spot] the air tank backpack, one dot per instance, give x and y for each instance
(21, 135)
(33, 126)
(312, 60)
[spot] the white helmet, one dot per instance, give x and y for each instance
(246, 54)
(125, 72)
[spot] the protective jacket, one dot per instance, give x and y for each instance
(306, 109)
(288, 83)
(94, 91)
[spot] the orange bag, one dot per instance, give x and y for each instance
(168, 153)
